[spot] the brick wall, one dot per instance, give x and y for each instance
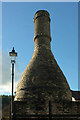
(23, 108)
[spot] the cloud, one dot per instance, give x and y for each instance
(5, 74)
(7, 88)
(6, 69)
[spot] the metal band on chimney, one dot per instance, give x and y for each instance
(42, 16)
(42, 35)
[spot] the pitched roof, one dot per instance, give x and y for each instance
(76, 94)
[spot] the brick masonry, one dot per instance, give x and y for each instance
(43, 81)
(62, 107)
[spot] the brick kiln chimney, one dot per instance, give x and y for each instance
(42, 79)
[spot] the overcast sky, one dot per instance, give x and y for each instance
(18, 32)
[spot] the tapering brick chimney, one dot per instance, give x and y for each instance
(42, 81)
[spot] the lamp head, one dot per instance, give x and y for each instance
(13, 55)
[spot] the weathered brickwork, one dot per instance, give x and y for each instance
(42, 77)
(63, 107)
(43, 81)
(65, 110)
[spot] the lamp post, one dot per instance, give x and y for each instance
(13, 56)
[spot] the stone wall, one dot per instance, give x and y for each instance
(57, 108)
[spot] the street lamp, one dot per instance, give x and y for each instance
(13, 56)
